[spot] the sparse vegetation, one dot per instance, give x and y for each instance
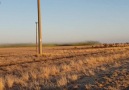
(64, 68)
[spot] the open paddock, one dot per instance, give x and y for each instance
(64, 68)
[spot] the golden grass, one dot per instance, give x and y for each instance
(25, 76)
(54, 70)
(73, 77)
(65, 67)
(59, 73)
(1, 84)
(10, 79)
(45, 72)
(62, 81)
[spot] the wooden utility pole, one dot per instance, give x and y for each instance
(36, 37)
(39, 28)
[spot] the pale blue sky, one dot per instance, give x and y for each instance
(65, 21)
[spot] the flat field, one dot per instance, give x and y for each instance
(64, 68)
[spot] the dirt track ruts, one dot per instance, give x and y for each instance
(48, 58)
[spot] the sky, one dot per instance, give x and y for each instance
(65, 21)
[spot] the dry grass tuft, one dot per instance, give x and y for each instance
(65, 68)
(33, 75)
(1, 84)
(25, 76)
(62, 82)
(10, 79)
(44, 72)
(54, 70)
(73, 77)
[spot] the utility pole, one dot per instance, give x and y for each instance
(36, 37)
(39, 27)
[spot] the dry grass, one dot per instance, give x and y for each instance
(73, 77)
(10, 79)
(45, 72)
(63, 67)
(25, 76)
(1, 84)
(62, 82)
